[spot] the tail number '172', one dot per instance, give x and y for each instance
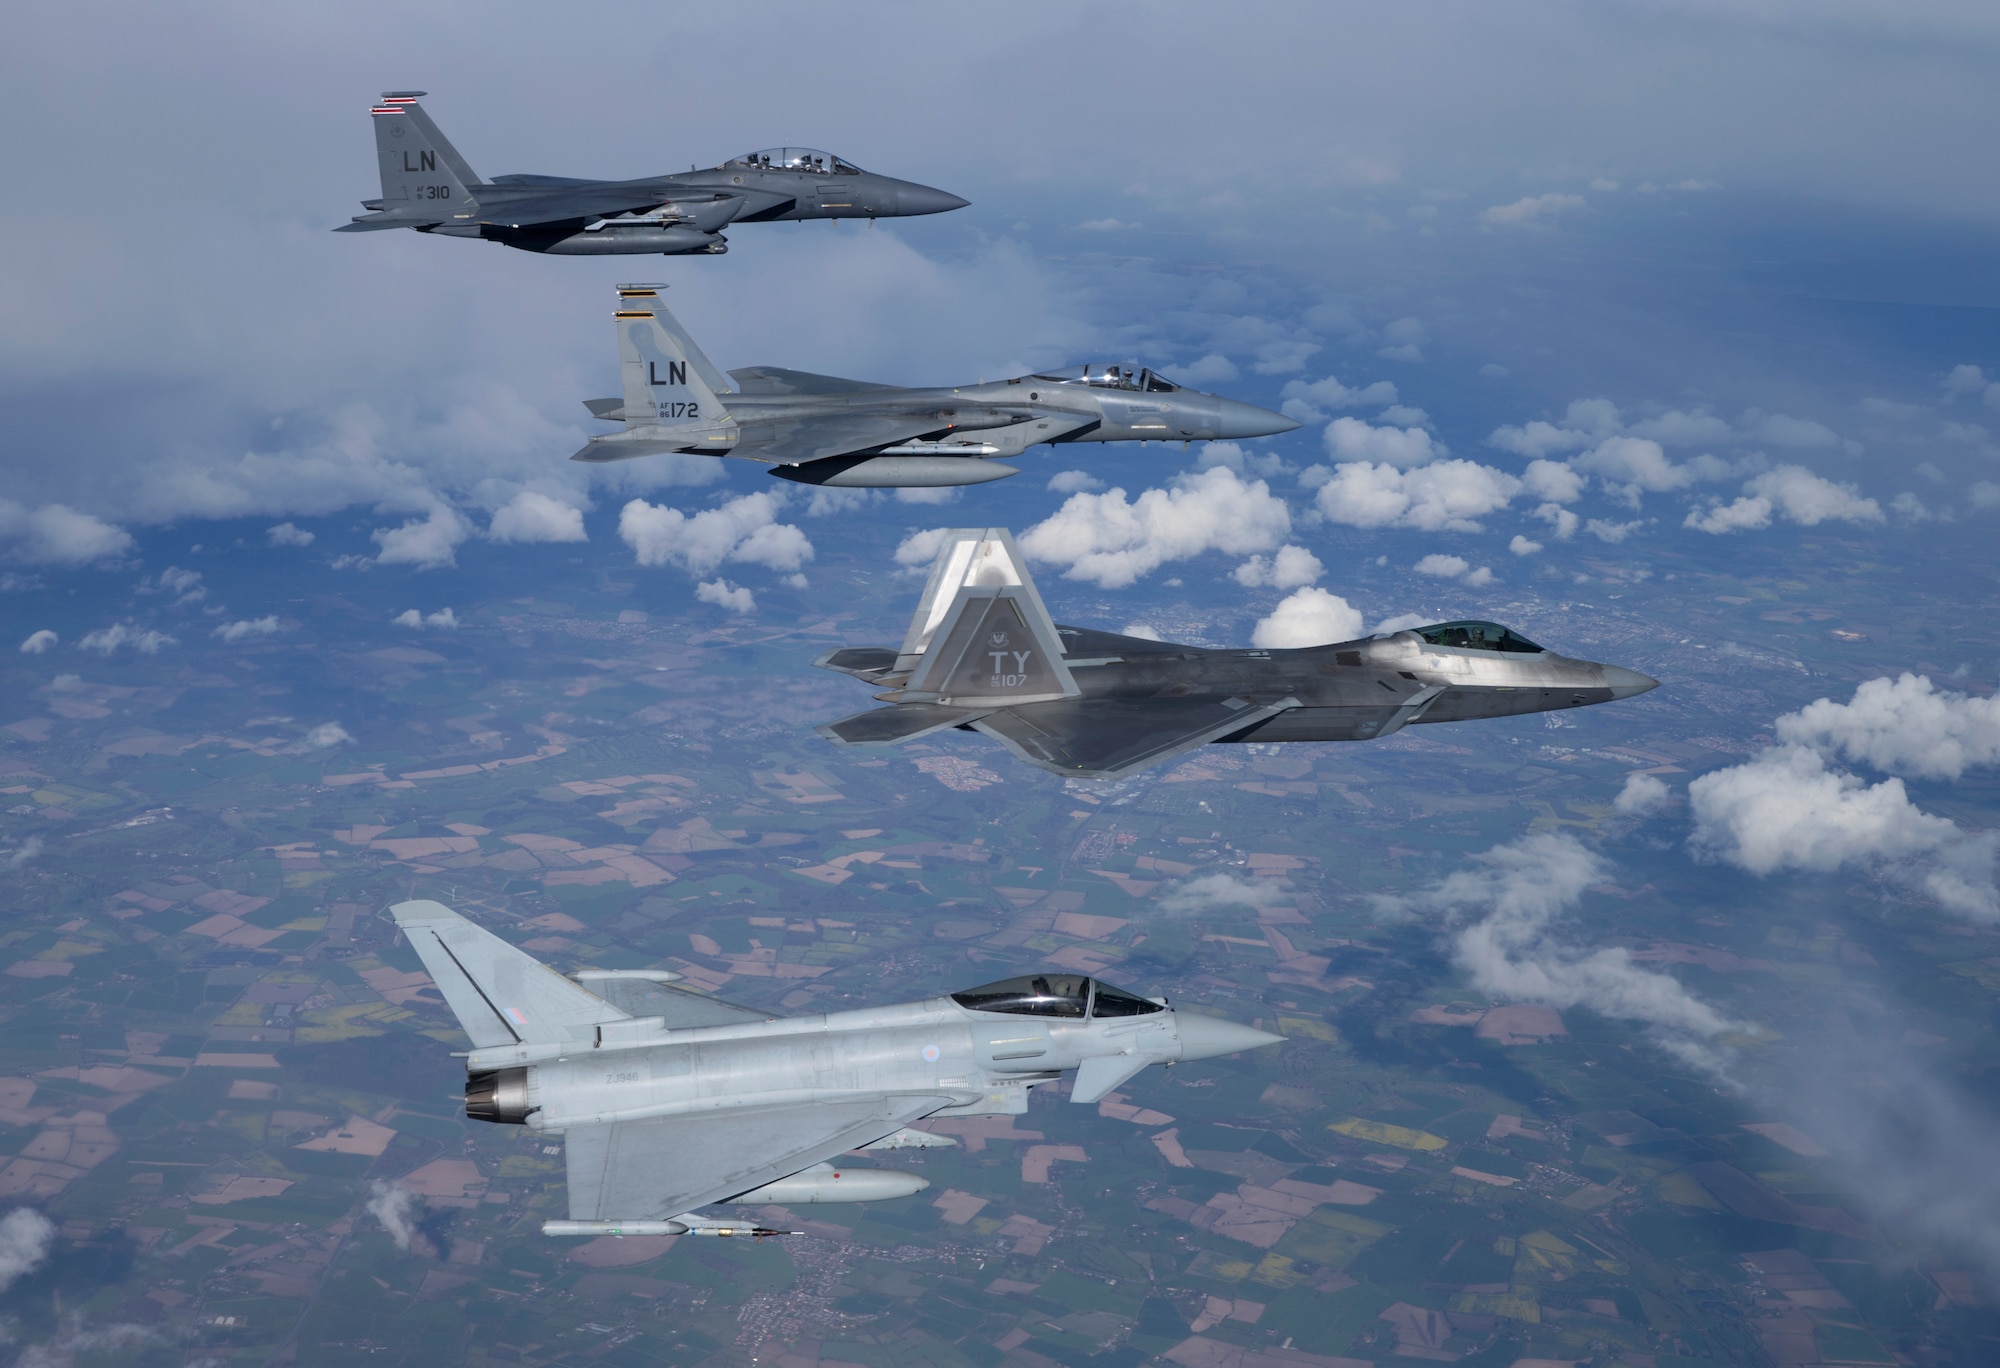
(1003, 680)
(680, 410)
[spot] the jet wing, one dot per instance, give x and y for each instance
(680, 1007)
(796, 440)
(896, 723)
(777, 380)
(560, 205)
(1111, 738)
(658, 1168)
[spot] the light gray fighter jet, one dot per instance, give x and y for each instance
(982, 654)
(427, 186)
(819, 430)
(669, 1100)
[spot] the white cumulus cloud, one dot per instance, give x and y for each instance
(56, 534)
(325, 735)
(1747, 514)
(744, 530)
(1905, 726)
(723, 594)
(1114, 541)
(1531, 211)
(1291, 567)
(1350, 439)
(1307, 401)
(106, 640)
(1642, 796)
(39, 643)
(248, 627)
(1809, 500)
(535, 517)
(1213, 892)
(1506, 913)
(396, 1208)
(444, 619)
(288, 534)
(1075, 482)
(25, 1237)
(1307, 617)
(1787, 809)
(1443, 496)
(429, 544)
(1521, 546)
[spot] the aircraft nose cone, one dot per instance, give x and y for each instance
(1625, 683)
(1238, 419)
(1206, 1037)
(923, 199)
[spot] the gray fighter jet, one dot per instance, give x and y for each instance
(983, 654)
(820, 430)
(427, 186)
(669, 1100)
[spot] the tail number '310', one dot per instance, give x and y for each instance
(680, 410)
(1003, 680)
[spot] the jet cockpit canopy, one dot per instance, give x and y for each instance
(1478, 636)
(1054, 995)
(797, 159)
(1110, 377)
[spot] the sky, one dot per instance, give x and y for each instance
(1774, 215)
(1535, 279)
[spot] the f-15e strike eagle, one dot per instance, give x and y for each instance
(427, 186)
(669, 1100)
(821, 430)
(983, 654)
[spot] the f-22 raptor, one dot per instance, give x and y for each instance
(982, 654)
(822, 430)
(427, 186)
(669, 1100)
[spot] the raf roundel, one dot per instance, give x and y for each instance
(930, 1054)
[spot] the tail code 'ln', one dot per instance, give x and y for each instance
(421, 170)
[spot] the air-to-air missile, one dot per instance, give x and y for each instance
(853, 434)
(668, 1100)
(982, 654)
(427, 186)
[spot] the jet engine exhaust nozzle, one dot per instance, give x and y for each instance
(500, 1096)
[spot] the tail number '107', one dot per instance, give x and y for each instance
(1003, 680)
(680, 410)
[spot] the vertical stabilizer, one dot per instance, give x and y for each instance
(422, 174)
(981, 635)
(501, 995)
(669, 382)
(672, 392)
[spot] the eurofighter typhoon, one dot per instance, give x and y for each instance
(821, 430)
(427, 186)
(982, 654)
(668, 1100)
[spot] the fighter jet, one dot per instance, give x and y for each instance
(427, 186)
(820, 430)
(669, 1100)
(982, 654)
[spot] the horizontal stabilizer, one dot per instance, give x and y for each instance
(897, 723)
(1111, 738)
(610, 410)
(863, 662)
(617, 447)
